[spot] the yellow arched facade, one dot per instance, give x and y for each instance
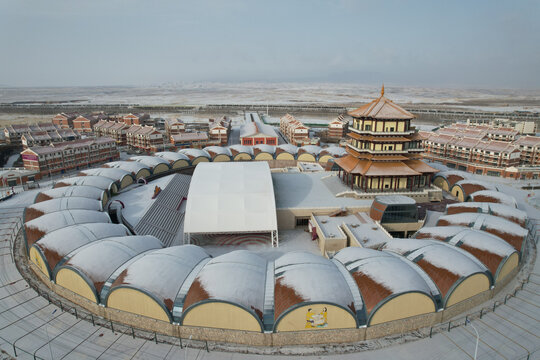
(441, 182)
(306, 157)
(324, 159)
(317, 319)
(222, 316)
(105, 199)
(457, 191)
(262, 156)
(402, 307)
(114, 188)
(471, 286)
(510, 264)
(242, 157)
(126, 181)
(39, 261)
(180, 164)
(70, 280)
(198, 160)
(143, 173)
(160, 168)
(221, 158)
(284, 156)
(136, 302)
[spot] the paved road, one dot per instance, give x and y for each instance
(43, 330)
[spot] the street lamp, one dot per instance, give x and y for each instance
(477, 337)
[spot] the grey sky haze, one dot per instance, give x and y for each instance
(137, 42)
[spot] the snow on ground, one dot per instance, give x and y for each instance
(139, 199)
(11, 160)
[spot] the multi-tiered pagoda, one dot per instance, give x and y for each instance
(384, 150)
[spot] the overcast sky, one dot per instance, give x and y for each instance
(143, 42)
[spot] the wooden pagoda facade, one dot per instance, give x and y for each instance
(384, 150)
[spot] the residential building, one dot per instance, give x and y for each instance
(219, 131)
(146, 138)
(190, 140)
(14, 133)
(136, 119)
(174, 127)
(113, 129)
(63, 120)
(294, 130)
(61, 157)
(530, 150)
(17, 176)
(337, 128)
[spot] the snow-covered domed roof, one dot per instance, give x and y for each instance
(270, 149)
(445, 264)
(67, 203)
(99, 259)
(239, 149)
(89, 192)
(302, 277)
(493, 197)
(381, 276)
(500, 210)
(335, 151)
(487, 248)
(37, 228)
(57, 244)
(288, 148)
(470, 186)
(194, 153)
(132, 166)
(217, 150)
(111, 173)
(100, 182)
(237, 277)
(171, 156)
(150, 161)
(505, 229)
(169, 269)
(311, 149)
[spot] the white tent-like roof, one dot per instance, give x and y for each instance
(231, 198)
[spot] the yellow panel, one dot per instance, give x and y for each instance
(143, 173)
(403, 306)
(390, 125)
(126, 181)
(399, 146)
(221, 158)
(440, 182)
(180, 164)
(35, 257)
(401, 126)
(136, 302)
(242, 157)
(510, 264)
(264, 157)
(378, 147)
(284, 156)
(379, 125)
(160, 168)
(222, 316)
(468, 288)
(105, 199)
(306, 157)
(302, 319)
(114, 188)
(198, 160)
(458, 192)
(70, 280)
(402, 183)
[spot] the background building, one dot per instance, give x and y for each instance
(254, 132)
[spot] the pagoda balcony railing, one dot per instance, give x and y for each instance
(385, 133)
(378, 151)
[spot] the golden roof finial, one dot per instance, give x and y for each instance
(382, 90)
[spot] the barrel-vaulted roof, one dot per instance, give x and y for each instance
(67, 203)
(90, 192)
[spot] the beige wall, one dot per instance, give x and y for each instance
(509, 265)
(221, 315)
(39, 261)
(136, 302)
(180, 164)
(126, 181)
(403, 306)
(221, 158)
(264, 156)
(242, 157)
(143, 173)
(296, 320)
(284, 156)
(441, 183)
(470, 287)
(160, 168)
(324, 159)
(458, 192)
(70, 280)
(306, 157)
